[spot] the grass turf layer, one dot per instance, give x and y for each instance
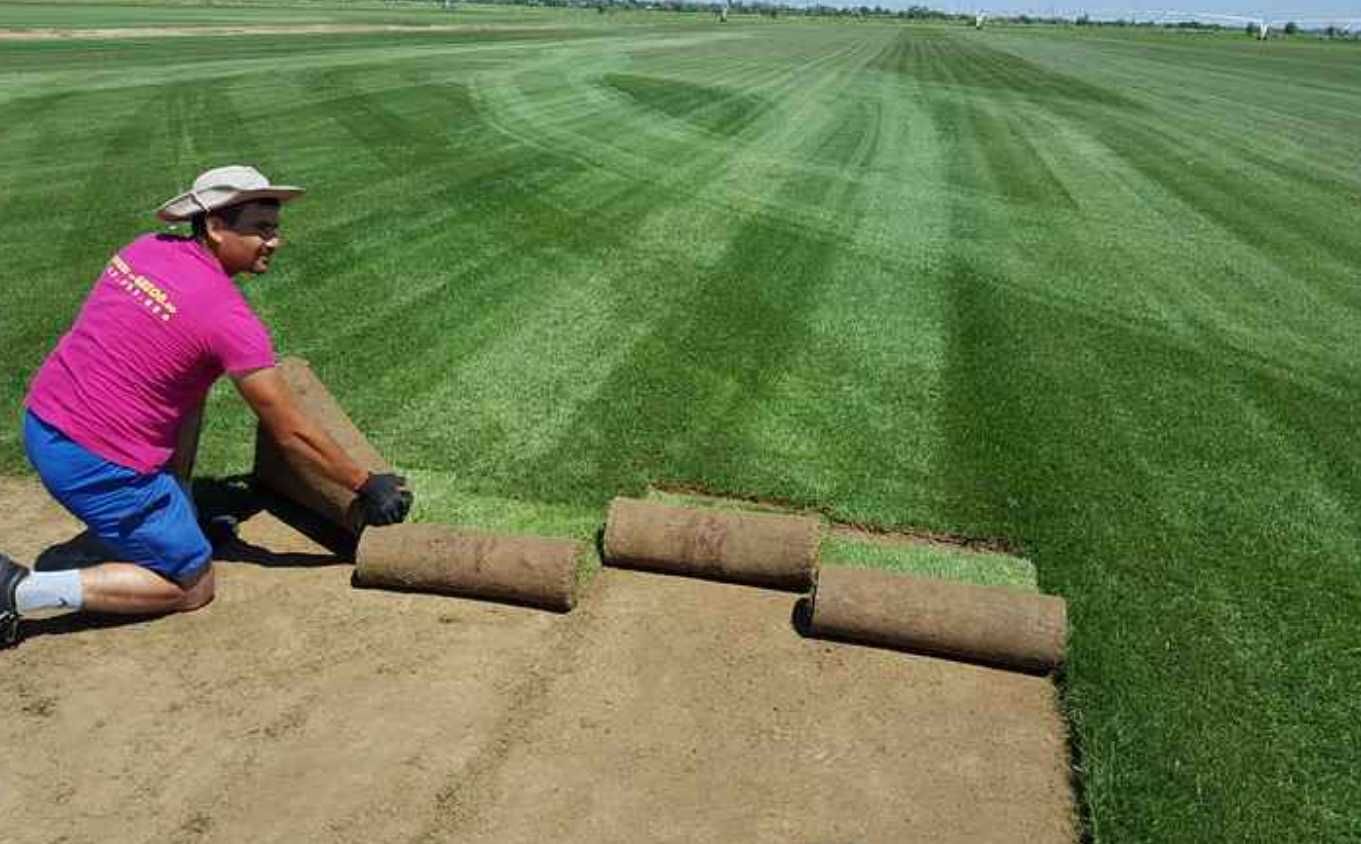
(1092, 293)
(101, 14)
(925, 559)
(920, 556)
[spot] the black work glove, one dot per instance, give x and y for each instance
(384, 499)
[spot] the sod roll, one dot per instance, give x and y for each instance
(436, 558)
(994, 625)
(186, 446)
(759, 549)
(294, 479)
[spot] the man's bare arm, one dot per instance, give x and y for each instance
(270, 397)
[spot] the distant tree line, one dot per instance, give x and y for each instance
(738, 7)
(913, 12)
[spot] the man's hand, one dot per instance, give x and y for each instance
(384, 499)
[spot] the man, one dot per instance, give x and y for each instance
(163, 322)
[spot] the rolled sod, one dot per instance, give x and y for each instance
(437, 558)
(758, 549)
(186, 446)
(987, 624)
(295, 480)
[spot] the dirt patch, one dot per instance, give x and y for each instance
(696, 714)
(662, 709)
(134, 32)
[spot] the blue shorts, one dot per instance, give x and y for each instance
(143, 519)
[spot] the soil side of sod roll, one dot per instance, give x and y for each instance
(526, 570)
(299, 482)
(758, 549)
(984, 624)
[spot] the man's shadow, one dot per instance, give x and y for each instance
(222, 504)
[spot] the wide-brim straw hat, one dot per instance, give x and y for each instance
(221, 187)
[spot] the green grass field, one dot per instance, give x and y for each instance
(1096, 294)
(109, 14)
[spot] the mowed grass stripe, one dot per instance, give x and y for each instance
(674, 279)
(1182, 168)
(668, 339)
(121, 13)
(1170, 446)
(86, 65)
(380, 316)
(857, 372)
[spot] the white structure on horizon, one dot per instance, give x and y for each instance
(1262, 25)
(979, 19)
(1258, 26)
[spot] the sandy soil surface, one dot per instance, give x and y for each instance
(49, 34)
(296, 707)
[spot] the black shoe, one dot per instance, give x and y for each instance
(221, 531)
(11, 573)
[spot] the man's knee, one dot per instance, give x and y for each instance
(198, 590)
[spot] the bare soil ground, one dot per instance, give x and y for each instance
(296, 708)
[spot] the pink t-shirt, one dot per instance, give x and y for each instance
(162, 323)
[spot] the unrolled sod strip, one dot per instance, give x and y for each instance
(437, 558)
(995, 625)
(759, 549)
(299, 482)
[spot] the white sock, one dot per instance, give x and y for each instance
(44, 594)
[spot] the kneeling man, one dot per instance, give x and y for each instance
(102, 417)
